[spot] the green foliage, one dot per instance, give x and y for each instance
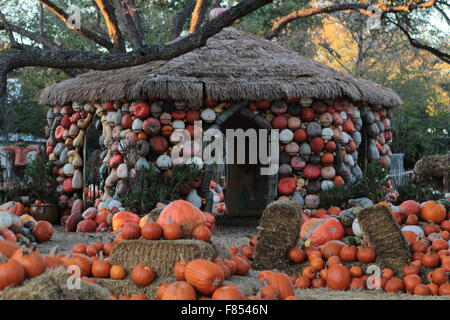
(371, 184)
(40, 184)
(152, 186)
(419, 131)
(416, 191)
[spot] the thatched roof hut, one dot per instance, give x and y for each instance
(233, 65)
(330, 123)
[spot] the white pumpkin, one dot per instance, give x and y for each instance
(356, 228)
(286, 136)
(164, 162)
(114, 203)
(77, 180)
(122, 171)
(6, 219)
(208, 115)
(69, 169)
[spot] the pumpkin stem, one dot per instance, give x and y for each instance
(100, 256)
(54, 251)
(3, 259)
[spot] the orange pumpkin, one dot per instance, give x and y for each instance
(330, 229)
(204, 275)
(122, 217)
(179, 290)
(7, 247)
(338, 277)
(433, 211)
(331, 248)
(228, 292)
(183, 213)
(283, 284)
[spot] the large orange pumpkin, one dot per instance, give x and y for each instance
(433, 211)
(338, 277)
(410, 207)
(123, 217)
(283, 284)
(330, 229)
(204, 275)
(184, 214)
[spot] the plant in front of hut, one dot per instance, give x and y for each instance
(152, 186)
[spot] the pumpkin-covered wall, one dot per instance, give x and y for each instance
(321, 141)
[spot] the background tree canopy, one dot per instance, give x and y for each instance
(339, 39)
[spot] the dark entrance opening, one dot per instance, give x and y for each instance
(246, 189)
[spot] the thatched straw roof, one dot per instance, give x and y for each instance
(233, 65)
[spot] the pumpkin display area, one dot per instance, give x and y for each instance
(163, 254)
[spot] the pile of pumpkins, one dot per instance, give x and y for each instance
(318, 142)
(20, 263)
(179, 219)
(18, 226)
(330, 261)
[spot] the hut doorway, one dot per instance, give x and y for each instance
(246, 189)
(92, 162)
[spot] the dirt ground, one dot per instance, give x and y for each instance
(229, 235)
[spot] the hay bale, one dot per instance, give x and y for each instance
(383, 233)
(161, 254)
(278, 232)
(52, 285)
(126, 287)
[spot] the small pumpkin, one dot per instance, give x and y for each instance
(32, 262)
(131, 230)
(228, 292)
(7, 248)
(11, 272)
(283, 284)
(101, 268)
(142, 275)
(117, 272)
(433, 211)
(202, 233)
(151, 231)
(43, 231)
(179, 290)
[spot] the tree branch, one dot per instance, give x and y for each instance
(36, 37)
(179, 19)
(416, 44)
(61, 14)
(112, 26)
(41, 20)
(9, 32)
(281, 23)
(31, 56)
(136, 39)
(442, 12)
